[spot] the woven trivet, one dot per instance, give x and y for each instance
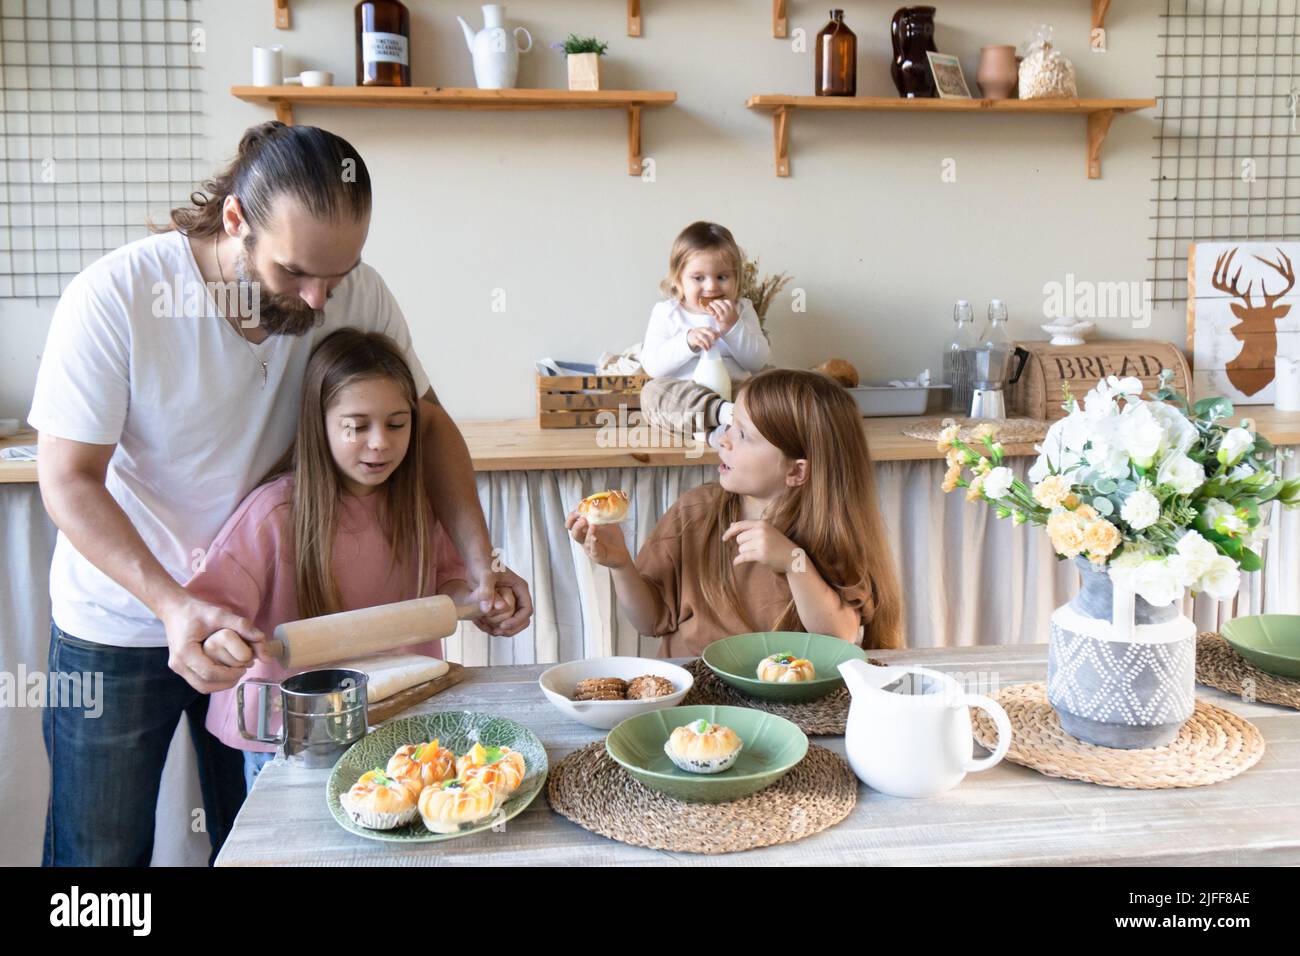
(1010, 431)
(1212, 746)
(1219, 665)
(822, 717)
(598, 795)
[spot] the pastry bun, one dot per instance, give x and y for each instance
(604, 507)
(445, 807)
(380, 802)
(786, 669)
(840, 371)
(702, 747)
(500, 769)
(422, 764)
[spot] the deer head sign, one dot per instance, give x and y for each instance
(1253, 368)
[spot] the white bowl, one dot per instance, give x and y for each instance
(558, 684)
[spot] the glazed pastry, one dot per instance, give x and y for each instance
(601, 688)
(604, 507)
(648, 687)
(500, 769)
(445, 807)
(380, 802)
(702, 747)
(786, 669)
(422, 764)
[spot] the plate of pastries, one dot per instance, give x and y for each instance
(785, 666)
(436, 777)
(604, 691)
(707, 753)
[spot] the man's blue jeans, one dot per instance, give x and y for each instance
(106, 770)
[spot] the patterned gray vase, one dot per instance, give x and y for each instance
(1125, 694)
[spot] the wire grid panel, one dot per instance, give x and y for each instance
(1227, 161)
(101, 129)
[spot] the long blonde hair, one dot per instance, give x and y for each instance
(342, 358)
(701, 237)
(833, 516)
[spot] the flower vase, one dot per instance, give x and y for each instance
(1121, 673)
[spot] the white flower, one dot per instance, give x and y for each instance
(1140, 435)
(1180, 433)
(1057, 452)
(1220, 516)
(1181, 473)
(1153, 579)
(1140, 510)
(1195, 558)
(1235, 444)
(997, 483)
(1221, 579)
(1114, 387)
(1254, 539)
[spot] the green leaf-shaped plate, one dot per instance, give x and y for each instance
(735, 660)
(772, 745)
(1269, 641)
(458, 731)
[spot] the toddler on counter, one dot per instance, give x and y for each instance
(701, 314)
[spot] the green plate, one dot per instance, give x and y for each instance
(458, 731)
(772, 745)
(735, 660)
(1269, 641)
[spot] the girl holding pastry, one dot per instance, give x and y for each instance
(341, 523)
(790, 537)
(702, 320)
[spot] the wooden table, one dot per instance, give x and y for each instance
(520, 445)
(1007, 815)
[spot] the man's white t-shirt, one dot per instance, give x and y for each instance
(180, 392)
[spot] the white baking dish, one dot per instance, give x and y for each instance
(884, 401)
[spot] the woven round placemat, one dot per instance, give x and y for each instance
(593, 791)
(822, 717)
(1219, 665)
(1010, 431)
(1212, 746)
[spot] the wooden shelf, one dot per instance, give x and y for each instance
(285, 98)
(282, 18)
(1100, 113)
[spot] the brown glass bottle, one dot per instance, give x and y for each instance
(836, 59)
(383, 43)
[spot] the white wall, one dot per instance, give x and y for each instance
(540, 204)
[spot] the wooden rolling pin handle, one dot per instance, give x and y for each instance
(464, 612)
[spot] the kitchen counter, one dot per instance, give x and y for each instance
(1008, 815)
(520, 445)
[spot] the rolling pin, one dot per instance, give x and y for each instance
(347, 634)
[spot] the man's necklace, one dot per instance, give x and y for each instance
(242, 334)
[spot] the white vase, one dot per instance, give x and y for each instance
(495, 49)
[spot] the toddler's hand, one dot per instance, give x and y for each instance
(603, 543)
(701, 340)
(228, 648)
(724, 313)
(758, 541)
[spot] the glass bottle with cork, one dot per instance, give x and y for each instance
(959, 358)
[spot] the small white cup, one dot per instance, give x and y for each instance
(311, 78)
(1286, 384)
(268, 65)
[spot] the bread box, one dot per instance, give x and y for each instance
(1038, 393)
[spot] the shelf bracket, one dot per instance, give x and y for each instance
(781, 139)
(780, 25)
(1097, 39)
(282, 14)
(634, 18)
(634, 141)
(1098, 127)
(283, 111)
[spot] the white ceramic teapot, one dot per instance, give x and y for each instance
(909, 729)
(495, 49)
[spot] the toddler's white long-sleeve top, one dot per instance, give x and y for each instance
(666, 353)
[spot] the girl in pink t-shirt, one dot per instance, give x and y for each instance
(343, 523)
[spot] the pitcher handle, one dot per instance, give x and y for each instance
(1000, 720)
(519, 30)
(239, 710)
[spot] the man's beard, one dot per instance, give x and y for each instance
(277, 313)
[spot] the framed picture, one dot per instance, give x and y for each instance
(1241, 323)
(948, 77)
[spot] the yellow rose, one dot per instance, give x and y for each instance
(1052, 491)
(956, 457)
(946, 437)
(1100, 538)
(951, 478)
(1086, 512)
(1066, 532)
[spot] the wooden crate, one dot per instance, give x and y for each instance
(1038, 393)
(585, 401)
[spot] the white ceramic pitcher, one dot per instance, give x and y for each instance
(495, 49)
(909, 729)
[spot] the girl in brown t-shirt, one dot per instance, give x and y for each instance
(790, 538)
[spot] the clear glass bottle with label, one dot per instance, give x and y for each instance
(383, 43)
(958, 358)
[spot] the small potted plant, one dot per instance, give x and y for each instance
(583, 54)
